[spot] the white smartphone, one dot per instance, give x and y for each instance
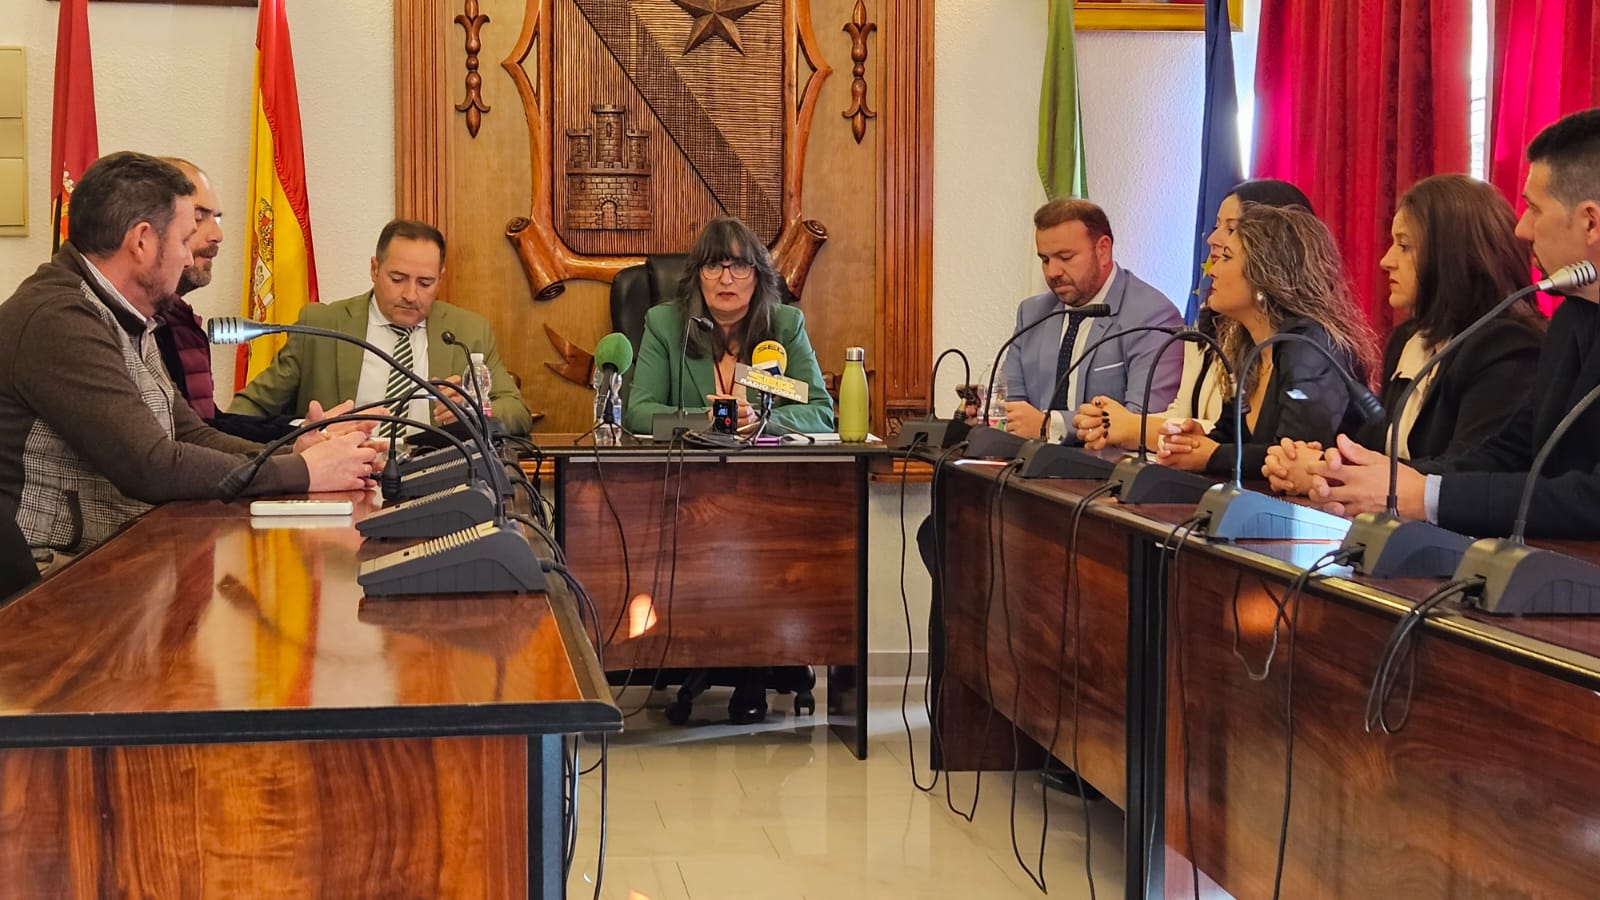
(301, 508)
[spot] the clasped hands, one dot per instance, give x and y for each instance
(1346, 479)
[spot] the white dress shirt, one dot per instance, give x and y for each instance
(374, 383)
(1061, 420)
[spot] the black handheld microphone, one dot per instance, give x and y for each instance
(1229, 512)
(1383, 545)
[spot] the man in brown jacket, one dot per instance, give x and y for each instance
(92, 432)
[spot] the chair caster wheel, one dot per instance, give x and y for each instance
(678, 711)
(805, 703)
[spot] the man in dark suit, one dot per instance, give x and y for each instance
(1477, 492)
(1074, 241)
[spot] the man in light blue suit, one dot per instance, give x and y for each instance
(1074, 241)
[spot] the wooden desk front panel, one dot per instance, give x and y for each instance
(350, 819)
(766, 560)
(1492, 788)
(1017, 652)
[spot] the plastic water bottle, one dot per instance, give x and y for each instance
(478, 374)
(607, 408)
(997, 402)
(853, 396)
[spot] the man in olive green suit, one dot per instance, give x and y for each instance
(400, 315)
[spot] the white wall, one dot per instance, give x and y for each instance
(1141, 96)
(187, 92)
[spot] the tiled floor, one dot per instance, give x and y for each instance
(783, 811)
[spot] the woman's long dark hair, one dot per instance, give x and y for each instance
(1468, 256)
(728, 239)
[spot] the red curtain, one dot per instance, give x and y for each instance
(1355, 101)
(1545, 64)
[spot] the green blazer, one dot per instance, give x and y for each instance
(656, 376)
(312, 368)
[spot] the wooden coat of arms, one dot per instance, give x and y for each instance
(647, 118)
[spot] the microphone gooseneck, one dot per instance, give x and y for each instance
(234, 483)
(696, 323)
(1061, 379)
(1092, 311)
(1369, 406)
(1187, 335)
(1565, 278)
(235, 330)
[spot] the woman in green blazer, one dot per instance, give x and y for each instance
(728, 279)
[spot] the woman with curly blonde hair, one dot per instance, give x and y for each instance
(1279, 272)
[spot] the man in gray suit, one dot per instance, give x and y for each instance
(1074, 241)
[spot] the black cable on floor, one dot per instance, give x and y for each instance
(905, 609)
(998, 543)
(1071, 599)
(932, 688)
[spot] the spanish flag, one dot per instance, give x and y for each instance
(281, 271)
(74, 139)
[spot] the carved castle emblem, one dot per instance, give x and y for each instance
(608, 174)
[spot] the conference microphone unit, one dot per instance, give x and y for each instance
(1041, 458)
(1381, 544)
(932, 431)
(672, 426)
(1139, 479)
(984, 442)
(1228, 512)
(491, 557)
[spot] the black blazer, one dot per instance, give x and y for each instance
(1471, 391)
(1481, 487)
(1306, 400)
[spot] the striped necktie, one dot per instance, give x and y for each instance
(400, 386)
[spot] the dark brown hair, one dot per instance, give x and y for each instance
(722, 239)
(1294, 268)
(1468, 256)
(411, 230)
(119, 191)
(1072, 209)
(1571, 148)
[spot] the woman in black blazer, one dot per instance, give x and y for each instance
(1279, 272)
(1454, 256)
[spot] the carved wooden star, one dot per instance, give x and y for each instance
(716, 18)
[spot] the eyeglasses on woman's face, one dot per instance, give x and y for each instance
(738, 268)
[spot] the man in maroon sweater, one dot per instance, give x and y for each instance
(92, 432)
(185, 349)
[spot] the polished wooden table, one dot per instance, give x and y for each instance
(205, 707)
(1490, 789)
(742, 558)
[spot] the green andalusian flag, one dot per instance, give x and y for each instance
(1061, 165)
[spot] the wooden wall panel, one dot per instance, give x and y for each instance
(869, 285)
(905, 211)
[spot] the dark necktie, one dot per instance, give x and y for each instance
(398, 391)
(1064, 359)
